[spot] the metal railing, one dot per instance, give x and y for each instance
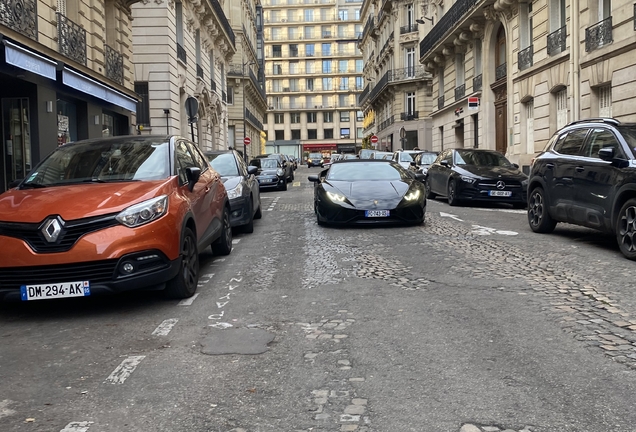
(71, 39)
(408, 28)
(446, 24)
(386, 123)
(477, 83)
(440, 102)
(407, 116)
(257, 84)
(524, 58)
(382, 83)
(501, 71)
(181, 53)
(460, 92)
(598, 35)
(386, 45)
(253, 119)
(407, 73)
(224, 96)
(21, 16)
(218, 9)
(114, 65)
(363, 95)
(556, 41)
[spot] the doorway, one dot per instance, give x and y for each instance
(500, 89)
(16, 137)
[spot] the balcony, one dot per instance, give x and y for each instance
(440, 102)
(181, 53)
(407, 116)
(408, 29)
(386, 123)
(600, 34)
(501, 71)
(446, 24)
(524, 58)
(218, 10)
(253, 119)
(71, 39)
(407, 73)
(556, 41)
(477, 83)
(21, 16)
(362, 96)
(257, 84)
(460, 92)
(114, 65)
(199, 71)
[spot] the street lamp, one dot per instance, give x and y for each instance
(421, 20)
(245, 110)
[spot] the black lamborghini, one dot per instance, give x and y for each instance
(368, 191)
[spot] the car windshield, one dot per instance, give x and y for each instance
(481, 158)
(315, 156)
(427, 158)
(365, 171)
(629, 133)
(406, 157)
(224, 164)
(265, 163)
(99, 161)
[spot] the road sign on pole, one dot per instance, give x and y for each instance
(247, 140)
(374, 139)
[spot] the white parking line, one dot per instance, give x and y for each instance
(188, 301)
(164, 328)
(235, 241)
(124, 370)
(501, 210)
(77, 426)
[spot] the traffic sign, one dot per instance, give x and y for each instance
(247, 140)
(374, 139)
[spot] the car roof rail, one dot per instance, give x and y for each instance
(596, 120)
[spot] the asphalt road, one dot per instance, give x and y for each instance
(468, 323)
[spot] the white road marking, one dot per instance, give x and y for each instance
(218, 260)
(231, 287)
(124, 370)
(164, 328)
(452, 216)
(235, 241)
(208, 276)
(188, 301)
(221, 325)
(81, 426)
(482, 230)
(221, 304)
(501, 210)
(217, 316)
(236, 280)
(4, 408)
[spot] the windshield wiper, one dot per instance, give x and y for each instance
(32, 186)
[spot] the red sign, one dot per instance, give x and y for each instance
(473, 102)
(247, 140)
(374, 139)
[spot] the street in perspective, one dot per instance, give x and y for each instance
(466, 322)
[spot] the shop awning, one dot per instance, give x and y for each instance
(29, 61)
(89, 86)
(320, 146)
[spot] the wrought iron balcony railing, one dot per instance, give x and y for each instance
(253, 119)
(460, 92)
(218, 9)
(386, 123)
(477, 83)
(407, 73)
(181, 53)
(363, 95)
(368, 27)
(382, 83)
(199, 71)
(21, 16)
(500, 72)
(257, 84)
(440, 102)
(524, 58)
(445, 25)
(598, 35)
(224, 96)
(408, 28)
(71, 39)
(556, 41)
(114, 65)
(407, 116)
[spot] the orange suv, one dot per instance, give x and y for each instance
(110, 215)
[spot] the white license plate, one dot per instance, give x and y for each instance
(377, 213)
(58, 290)
(499, 193)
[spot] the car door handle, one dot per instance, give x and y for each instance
(580, 169)
(207, 189)
(549, 165)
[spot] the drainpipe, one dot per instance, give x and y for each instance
(575, 59)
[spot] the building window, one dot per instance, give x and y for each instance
(359, 83)
(343, 101)
(344, 116)
(277, 50)
(143, 106)
(529, 114)
(460, 75)
(293, 68)
(295, 117)
(343, 15)
(178, 10)
(295, 134)
(327, 83)
(312, 134)
(326, 66)
(309, 32)
(230, 95)
(359, 116)
(293, 85)
(343, 66)
(279, 118)
(310, 50)
(410, 104)
(279, 135)
(311, 117)
(309, 15)
(326, 49)
(344, 83)
(605, 101)
(410, 18)
(562, 108)
(525, 25)
(327, 117)
(277, 85)
(328, 133)
(277, 69)
(359, 66)
(310, 66)
(345, 133)
(409, 60)
(478, 54)
(440, 83)
(293, 50)
(310, 84)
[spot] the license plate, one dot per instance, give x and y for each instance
(377, 213)
(499, 193)
(58, 290)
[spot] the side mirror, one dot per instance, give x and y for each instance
(515, 165)
(313, 178)
(443, 162)
(420, 176)
(193, 174)
(413, 164)
(252, 170)
(606, 153)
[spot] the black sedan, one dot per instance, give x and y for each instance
(241, 185)
(368, 191)
(270, 174)
(476, 175)
(422, 161)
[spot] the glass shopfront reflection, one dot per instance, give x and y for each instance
(66, 122)
(16, 138)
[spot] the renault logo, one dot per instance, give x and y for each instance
(501, 185)
(52, 229)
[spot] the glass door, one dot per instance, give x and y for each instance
(16, 137)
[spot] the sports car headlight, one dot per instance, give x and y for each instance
(335, 197)
(142, 213)
(412, 196)
(236, 192)
(467, 179)
(280, 172)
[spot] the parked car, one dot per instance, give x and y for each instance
(368, 191)
(242, 187)
(284, 163)
(381, 155)
(315, 159)
(109, 215)
(476, 175)
(586, 176)
(422, 161)
(365, 153)
(294, 161)
(404, 157)
(270, 173)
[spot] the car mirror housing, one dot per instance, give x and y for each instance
(252, 169)
(193, 174)
(420, 176)
(607, 153)
(313, 178)
(515, 165)
(444, 162)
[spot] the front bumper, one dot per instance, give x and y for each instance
(270, 182)
(402, 215)
(481, 192)
(239, 211)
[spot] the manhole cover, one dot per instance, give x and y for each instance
(237, 341)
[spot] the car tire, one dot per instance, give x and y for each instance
(283, 187)
(451, 195)
(539, 217)
(184, 284)
(429, 193)
(259, 211)
(626, 229)
(292, 176)
(249, 226)
(223, 245)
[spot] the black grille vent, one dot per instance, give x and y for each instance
(72, 231)
(94, 271)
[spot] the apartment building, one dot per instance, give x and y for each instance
(508, 74)
(396, 100)
(66, 74)
(313, 73)
(182, 53)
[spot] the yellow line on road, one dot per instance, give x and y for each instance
(296, 184)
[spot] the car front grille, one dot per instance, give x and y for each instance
(71, 232)
(94, 271)
(509, 184)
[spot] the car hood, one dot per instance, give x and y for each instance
(231, 182)
(365, 194)
(267, 172)
(493, 171)
(79, 200)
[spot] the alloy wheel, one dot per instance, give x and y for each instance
(189, 261)
(627, 229)
(536, 208)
